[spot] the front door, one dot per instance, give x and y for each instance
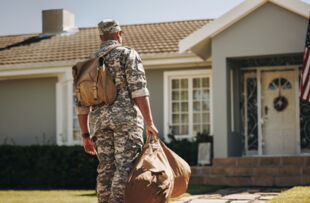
(278, 111)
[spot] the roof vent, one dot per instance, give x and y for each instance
(58, 22)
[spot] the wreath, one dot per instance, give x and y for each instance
(280, 103)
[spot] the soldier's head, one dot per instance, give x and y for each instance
(110, 30)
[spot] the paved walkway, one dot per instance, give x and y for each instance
(234, 195)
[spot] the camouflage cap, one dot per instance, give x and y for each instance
(108, 26)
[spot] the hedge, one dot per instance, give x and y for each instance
(46, 167)
(61, 167)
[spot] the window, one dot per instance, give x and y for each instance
(279, 83)
(187, 103)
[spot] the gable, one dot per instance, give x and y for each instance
(270, 29)
(199, 41)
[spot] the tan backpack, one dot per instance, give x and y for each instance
(92, 81)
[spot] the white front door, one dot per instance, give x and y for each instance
(278, 110)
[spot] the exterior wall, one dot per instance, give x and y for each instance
(28, 109)
(268, 30)
(155, 79)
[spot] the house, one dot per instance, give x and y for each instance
(235, 77)
(36, 79)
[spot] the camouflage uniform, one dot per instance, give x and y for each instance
(118, 128)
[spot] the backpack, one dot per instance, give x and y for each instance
(92, 81)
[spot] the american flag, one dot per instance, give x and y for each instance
(305, 72)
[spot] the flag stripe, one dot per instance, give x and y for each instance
(305, 72)
(306, 67)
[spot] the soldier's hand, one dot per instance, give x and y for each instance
(151, 129)
(89, 146)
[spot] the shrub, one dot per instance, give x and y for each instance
(188, 149)
(46, 167)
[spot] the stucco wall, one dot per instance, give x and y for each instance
(28, 111)
(268, 30)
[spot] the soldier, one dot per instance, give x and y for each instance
(118, 128)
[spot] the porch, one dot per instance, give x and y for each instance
(254, 171)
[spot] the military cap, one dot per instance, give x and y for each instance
(108, 26)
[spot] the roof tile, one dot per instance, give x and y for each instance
(152, 38)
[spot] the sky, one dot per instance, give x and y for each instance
(24, 16)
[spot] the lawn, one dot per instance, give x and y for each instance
(73, 196)
(298, 194)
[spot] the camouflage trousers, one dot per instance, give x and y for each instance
(117, 148)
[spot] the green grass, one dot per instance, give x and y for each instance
(47, 196)
(75, 196)
(298, 194)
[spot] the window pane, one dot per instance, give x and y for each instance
(184, 106)
(175, 118)
(205, 105)
(197, 129)
(205, 94)
(175, 84)
(184, 129)
(175, 130)
(196, 117)
(175, 95)
(196, 83)
(205, 82)
(196, 94)
(206, 128)
(184, 95)
(184, 83)
(175, 107)
(196, 106)
(205, 118)
(184, 118)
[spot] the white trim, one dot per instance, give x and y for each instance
(202, 37)
(260, 120)
(187, 74)
(297, 110)
(63, 102)
(150, 61)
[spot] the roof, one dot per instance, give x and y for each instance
(152, 38)
(199, 41)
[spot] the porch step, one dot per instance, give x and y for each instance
(254, 171)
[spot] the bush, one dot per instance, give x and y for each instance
(187, 149)
(46, 167)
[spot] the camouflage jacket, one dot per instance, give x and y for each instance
(126, 66)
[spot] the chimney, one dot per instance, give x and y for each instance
(58, 22)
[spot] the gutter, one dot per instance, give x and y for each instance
(150, 61)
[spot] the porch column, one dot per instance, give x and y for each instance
(64, 109)
(220, 106)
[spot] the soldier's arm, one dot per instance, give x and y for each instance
(82, 113)
(83, 121)
(136, 80)
(145, 108)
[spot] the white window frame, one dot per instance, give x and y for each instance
(168, 75)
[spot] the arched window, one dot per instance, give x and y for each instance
(279, 83)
